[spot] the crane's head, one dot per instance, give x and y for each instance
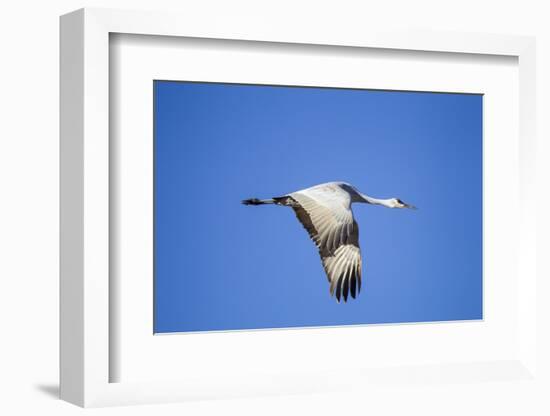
(397, 203)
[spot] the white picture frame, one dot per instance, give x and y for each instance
(86, 166)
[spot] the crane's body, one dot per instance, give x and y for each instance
(325, 212)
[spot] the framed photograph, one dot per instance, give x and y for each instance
(263, 211)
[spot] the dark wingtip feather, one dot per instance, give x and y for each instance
(345, 289)
(338, 291)
(352, 286)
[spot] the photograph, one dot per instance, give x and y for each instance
(294, 207)
(270, 208)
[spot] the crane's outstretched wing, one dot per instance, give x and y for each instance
(325, 212)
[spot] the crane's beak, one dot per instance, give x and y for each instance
(408, 206)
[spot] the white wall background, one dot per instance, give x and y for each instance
(29, 198)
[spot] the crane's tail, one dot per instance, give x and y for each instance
(256, 201)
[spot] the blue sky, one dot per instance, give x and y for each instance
(220, 265)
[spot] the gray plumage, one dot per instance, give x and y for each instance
(325, 212)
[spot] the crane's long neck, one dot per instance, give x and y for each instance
(375, 201)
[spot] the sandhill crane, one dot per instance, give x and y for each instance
(325, 212)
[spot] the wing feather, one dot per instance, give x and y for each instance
(326, 215)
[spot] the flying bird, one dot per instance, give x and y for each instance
(325, 212)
